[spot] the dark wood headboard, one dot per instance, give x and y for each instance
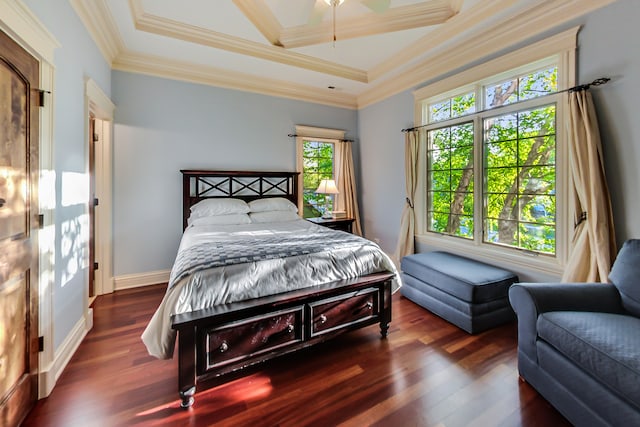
(198, 185)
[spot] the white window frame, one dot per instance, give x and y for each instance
(310, 133)
(559, 49)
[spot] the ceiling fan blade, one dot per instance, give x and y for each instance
(317, 14)
(378, 6)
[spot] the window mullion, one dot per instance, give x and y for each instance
(479, 177)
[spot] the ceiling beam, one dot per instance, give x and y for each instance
(262, 18)
(189, 33)
(418, 15)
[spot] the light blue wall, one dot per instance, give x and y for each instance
(382, 169)
(77, 59)
(162, 126)
(607, 47)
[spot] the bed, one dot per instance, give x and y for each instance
(245, 291)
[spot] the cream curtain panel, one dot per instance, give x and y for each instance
(348, 195)
(593, 246)
(406, 244)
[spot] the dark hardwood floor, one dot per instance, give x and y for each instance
(426, 373)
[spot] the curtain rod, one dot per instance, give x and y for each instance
(596, 82)
(293, 135)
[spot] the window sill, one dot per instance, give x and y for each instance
(504, 257)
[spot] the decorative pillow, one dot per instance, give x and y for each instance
(273, 216)
(224, 206)
(625, 275)
(272, 204)
(232, 219)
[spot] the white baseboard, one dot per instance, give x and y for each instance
(129, 281)
(48, 376)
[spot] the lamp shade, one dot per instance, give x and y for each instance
(327, 186)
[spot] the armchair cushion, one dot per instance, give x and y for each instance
(529, 300)
(604, 344)
(625, 275)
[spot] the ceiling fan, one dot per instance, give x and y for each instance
(320, 8)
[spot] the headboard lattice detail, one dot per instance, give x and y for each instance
(246, 185)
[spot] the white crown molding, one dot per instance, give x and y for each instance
(97, 19)
(262, 18)
(458, 24)
(212, 76)
(421, 14)
(23, 26)
(562, 42)
(474, 47)
(178, 30)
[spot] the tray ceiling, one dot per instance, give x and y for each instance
(286, 48)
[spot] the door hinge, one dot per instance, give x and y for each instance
(96, 137)
(96, 265)
(96, 202)
(40, 221)
(40, 344)
(41, 97)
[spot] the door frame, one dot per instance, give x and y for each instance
(99, 106)
(17, 21)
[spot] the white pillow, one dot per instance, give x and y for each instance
(224, 206)
(272, 204)
(232, 219)
(273, 216)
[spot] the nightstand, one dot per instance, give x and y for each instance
(343, 224)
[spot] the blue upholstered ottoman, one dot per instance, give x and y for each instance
(470, 294)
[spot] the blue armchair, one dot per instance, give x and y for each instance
(579, 343)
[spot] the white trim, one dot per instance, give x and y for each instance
(138, 280)
(46, 236)
(97, 19)
(315, 132)
(23, 26)
(99, 104)
(213, 76)
(49, 374)
(146, 22)
(538, 18)
(539, 51)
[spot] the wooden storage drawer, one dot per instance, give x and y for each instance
(344, 310)
(235, 341)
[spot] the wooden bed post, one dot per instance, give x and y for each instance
(186, 365)
(385, 315)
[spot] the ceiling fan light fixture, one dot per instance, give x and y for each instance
(334, 2)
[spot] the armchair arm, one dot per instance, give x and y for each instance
(529, 300)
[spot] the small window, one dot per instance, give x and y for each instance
(451, 108)
(318, 164)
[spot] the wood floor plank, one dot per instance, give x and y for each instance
(426, 373)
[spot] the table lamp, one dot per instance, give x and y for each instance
(327, 186)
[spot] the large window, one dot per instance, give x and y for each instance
(491, 159)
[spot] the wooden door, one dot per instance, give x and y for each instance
(19, 169)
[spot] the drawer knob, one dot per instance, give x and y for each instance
(224, 347)
(323, 318)
(290, 328)
(369, 305)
